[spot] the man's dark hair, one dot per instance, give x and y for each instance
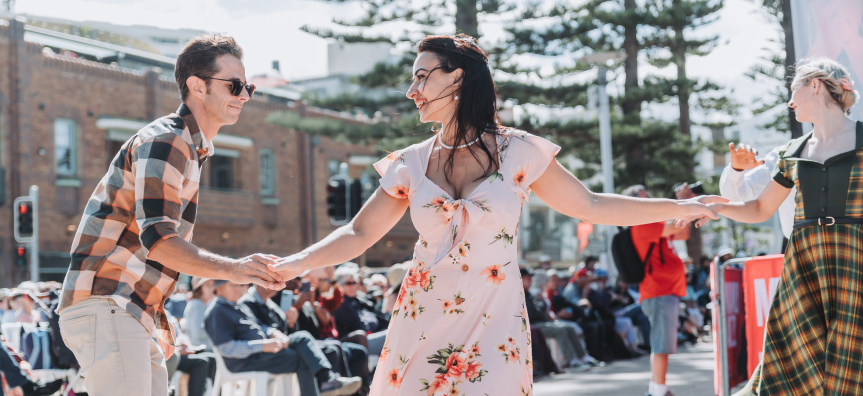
(589, 259)
(198, 58)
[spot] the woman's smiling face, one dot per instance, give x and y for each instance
(433, 90)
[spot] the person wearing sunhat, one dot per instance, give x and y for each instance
(203, 291)
(247, 345)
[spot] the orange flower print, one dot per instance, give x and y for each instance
(396, 155)
(510, 340)
(512, 355)
(385, 352)
(520, 175)
(494, 275)
(401, 296)
(438, 201)
(456, 365)
(411, 279)
(425, 279)
(412, 301)
(501, 348)
(475, 349)
(447, 304)
(463, 249)
(473, 370)
(399, 191)
(395, 380)
(440, 384)
(454, 391)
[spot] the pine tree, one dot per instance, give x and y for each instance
(778, 65)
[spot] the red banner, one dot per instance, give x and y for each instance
(760, 279)
(733, 301)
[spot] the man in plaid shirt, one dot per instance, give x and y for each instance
(134, 237)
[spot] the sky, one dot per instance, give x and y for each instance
(270, 30)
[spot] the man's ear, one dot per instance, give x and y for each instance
(197, 87)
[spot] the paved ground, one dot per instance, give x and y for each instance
(690, 374)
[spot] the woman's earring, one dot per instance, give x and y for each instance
(456, 97)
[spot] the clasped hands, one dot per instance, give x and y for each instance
(276, 342)
(700, 209)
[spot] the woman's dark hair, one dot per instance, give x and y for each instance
(476, 109)
(198, 58)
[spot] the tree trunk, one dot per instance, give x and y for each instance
(632, 106)
(790, 58)
(679, 53)
(465, 18)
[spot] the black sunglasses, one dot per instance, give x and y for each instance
(236, 85)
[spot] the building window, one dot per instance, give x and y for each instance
(222, 172)
(333, 166)
(65, 147)
(268, 172)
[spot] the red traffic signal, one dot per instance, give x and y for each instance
(23, 208)
(22, 251)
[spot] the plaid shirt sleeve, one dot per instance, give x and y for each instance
(161, 165)
(239, 349)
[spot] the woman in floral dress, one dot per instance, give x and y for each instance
(459, 325)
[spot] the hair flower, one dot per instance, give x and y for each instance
(846, 83)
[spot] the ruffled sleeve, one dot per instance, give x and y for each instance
(395, 174)
(527, 157)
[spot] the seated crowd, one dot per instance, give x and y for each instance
(329, 325)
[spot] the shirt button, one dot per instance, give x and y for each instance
(464, 267)
(823, 169)
(823, 209)
(823, 188)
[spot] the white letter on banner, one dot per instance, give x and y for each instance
(763, 299)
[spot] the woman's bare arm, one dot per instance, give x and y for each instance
(564, 193)
(374, 220)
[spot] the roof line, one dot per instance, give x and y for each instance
(102, 44)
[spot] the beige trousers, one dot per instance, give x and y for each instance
(117, 355)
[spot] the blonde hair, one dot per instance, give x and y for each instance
(829, 72)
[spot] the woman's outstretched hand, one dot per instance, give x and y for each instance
(703, 209)
(290, 267)
(700, 208)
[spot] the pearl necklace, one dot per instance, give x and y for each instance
(440, 140)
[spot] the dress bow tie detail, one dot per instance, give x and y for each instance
(459, 214)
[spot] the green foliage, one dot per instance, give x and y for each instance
(387, 137)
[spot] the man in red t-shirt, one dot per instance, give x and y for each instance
(663, 285)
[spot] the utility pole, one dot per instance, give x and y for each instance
(605, 141)
(34, 244)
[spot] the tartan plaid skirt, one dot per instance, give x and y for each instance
(814, 337)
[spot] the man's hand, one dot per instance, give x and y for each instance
(715, 207)
(278, 335)
(290, 267)
(304, 297)
(17, 391)
(254, 269)
(273, 345)
(743, 157)
(292, 315)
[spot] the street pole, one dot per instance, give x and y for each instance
(315, 141)
(606, 158)
(34, 243)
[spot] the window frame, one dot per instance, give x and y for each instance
(73, 149)
(267, 191)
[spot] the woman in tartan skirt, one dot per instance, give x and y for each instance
(814, 338)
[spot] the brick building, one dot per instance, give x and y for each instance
(63, 118)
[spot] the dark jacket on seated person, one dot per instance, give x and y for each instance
(235, 331)
(271, 314)
(358, 313)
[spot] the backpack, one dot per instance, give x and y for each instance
(629, 265)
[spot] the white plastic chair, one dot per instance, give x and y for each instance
(284, 383)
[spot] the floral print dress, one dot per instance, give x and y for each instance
(459, 326)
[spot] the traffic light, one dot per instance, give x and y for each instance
(338, 200)
(21, 258)
(25, 212)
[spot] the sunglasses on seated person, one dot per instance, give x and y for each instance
(350, 283)
(236, 85)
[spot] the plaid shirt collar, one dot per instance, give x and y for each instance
(196, 138)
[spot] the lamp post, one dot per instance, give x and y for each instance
(601, 60)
